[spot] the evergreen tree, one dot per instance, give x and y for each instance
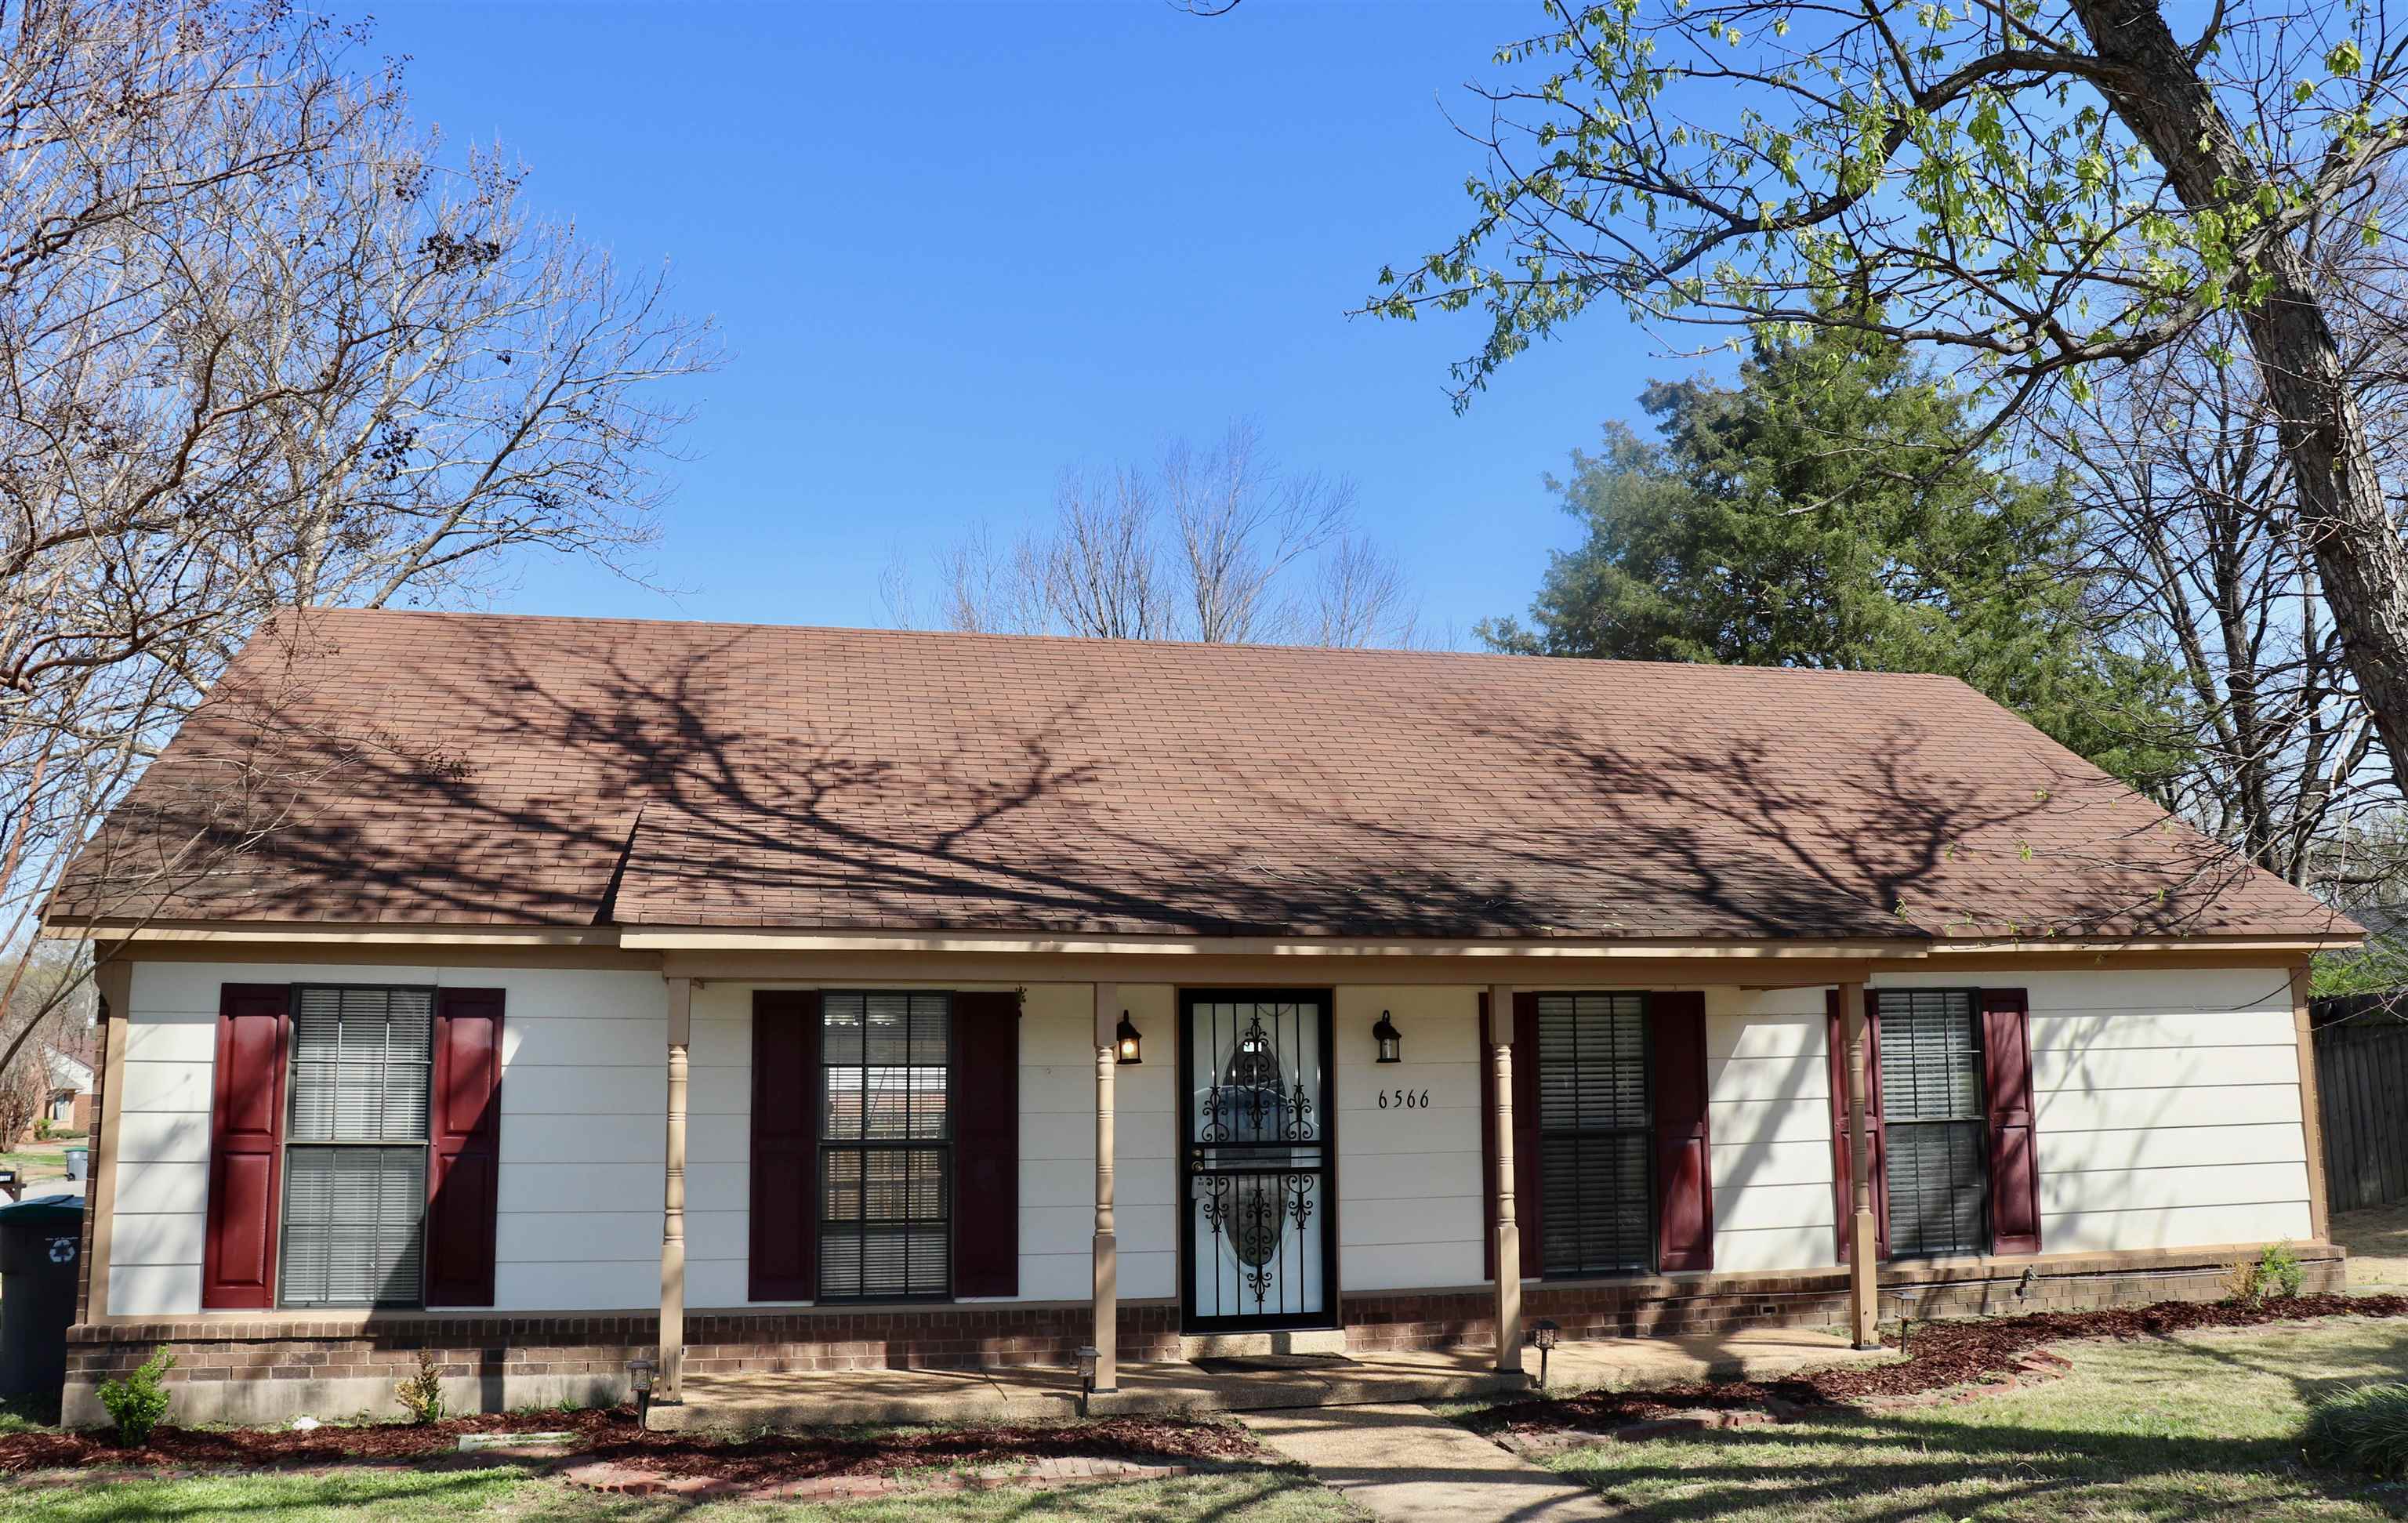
(1822, 513)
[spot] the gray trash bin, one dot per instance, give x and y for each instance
(79, 1161)
(39, 1242)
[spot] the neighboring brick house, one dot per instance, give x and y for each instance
(66, 1103)
(552, 991)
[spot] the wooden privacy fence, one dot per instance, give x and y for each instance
(2361, 1044)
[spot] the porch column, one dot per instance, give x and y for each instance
(114, 977)
(669, 1379)
(1509, 1235)
(2312, 1113)
(1864, 1282)
(1107, 1291)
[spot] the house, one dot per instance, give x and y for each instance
(67, 1097)
(555, 992)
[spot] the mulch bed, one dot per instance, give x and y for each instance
(1995, 1354)
(612, 1436)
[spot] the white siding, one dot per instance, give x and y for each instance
(2166, 1109)
(1057, 1145)
(2167, 1106)
(1769, 1098)
(1408, 1188)
(582, 1089)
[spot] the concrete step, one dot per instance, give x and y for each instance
(1241, 1345)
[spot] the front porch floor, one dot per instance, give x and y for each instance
(821, 1399)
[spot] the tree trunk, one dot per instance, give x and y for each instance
(2343, 518)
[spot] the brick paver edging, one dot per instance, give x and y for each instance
(633, 1481)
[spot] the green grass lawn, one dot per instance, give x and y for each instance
(1245, 1495)
(2198, 1427)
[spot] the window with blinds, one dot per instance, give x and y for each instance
(1931, 1115)
(1595, 1144)
(885, 1146)
(355, 1146)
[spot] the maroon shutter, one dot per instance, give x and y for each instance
(1487, 1091)
(785, 1145)
(2014, 1153)
(1529, 1205)
(1684, 1186)
(246, 1134)
(465, 1125)
(987, 1144)
(1842, 1162)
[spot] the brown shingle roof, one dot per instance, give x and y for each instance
(467, 769)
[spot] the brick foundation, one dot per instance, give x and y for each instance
(1665, 1307)
(267, 1368)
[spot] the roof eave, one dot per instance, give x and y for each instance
(989, 942)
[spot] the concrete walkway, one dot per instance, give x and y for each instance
(1407, 1465)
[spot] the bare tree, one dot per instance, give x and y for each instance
(51, 1002)
(1210, 545)
(261, 345)
(2197, 558)
(2193, 559)
(1361, 597)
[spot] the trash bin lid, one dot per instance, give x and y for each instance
(44, 1210)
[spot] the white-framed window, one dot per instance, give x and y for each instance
(1596, 1144)
(886, 1145)
(1936, 1148)
(355, 1145)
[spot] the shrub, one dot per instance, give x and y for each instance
(2272, 1275)
(2365, 1427)
(42, 1128)
(422, 1394)
(137, 1403)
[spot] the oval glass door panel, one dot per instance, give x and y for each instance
(1256, 1115)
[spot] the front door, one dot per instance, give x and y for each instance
(1258, 1238)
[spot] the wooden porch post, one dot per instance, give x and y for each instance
(1509, 1235)
(1107, 1265)
(114, 978)
(1864, 1272)
(670, 1380)
(2312, 1114)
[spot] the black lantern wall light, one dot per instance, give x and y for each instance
(1391, 1041)
(1126, 1040)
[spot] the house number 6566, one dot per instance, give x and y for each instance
(1410, 1100)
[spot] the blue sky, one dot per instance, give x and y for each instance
(954, 248)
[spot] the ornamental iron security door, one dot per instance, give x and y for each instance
(1254, 1105)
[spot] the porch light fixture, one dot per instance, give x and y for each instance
(1088, 1355)
(639, 1376)
(1391, 1041)
(1542, 1336)
(1126, 1040)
